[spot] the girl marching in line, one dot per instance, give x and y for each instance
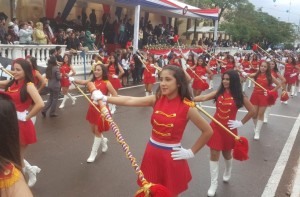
(165, 160)
(149, 74)
(291, 70)
(228, 98)
(213, 65)
(25, 96)
(65, 70)
(97, 122)
(276, 74)
(259, 97)
(115, 73)
(201, 69)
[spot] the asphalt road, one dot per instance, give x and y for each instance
(64, 144)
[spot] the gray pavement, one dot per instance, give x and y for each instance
(64, 144)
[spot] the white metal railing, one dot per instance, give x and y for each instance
(41, 52)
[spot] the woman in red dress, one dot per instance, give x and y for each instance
(165, 160)
(213, 65)
(260, 98)
(276, 74)
(65, 70)
(245, 63)
(228, 98)
(115, 73)
(25, 96)
(149, 74)
(201, 69)
(97, 122)
(191, 62)
(254, 66)
(291, 70)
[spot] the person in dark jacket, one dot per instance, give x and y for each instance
(53, 75)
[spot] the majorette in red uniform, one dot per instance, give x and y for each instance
(198, 84)
(65, 69)
(288, 71)
(113, 77)
(213, 64)
(229, 65)
(191, 64)
(246, 65)
(254, 66)
(93, 116)
(226, 110)
(149, 74)
(168, 123)
(258, 97)
(26, 128)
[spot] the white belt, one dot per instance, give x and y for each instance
(164, 144)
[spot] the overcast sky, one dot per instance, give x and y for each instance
(279, 9)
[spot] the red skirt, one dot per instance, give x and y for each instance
(149, 80)
(259, 99)
(64, 82)
(115, 82)
(200, 85)
(95, 118)
(290, 80)
(159, 168)
(221, 140)
(27, 132)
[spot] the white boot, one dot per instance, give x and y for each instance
(211, 84)
(244, 86)
(72, 98)
(214, 172)
(266, 115)
(113, 109)
(94, 152)
(33, 119)
(31, 171)
(147, 93)
(62, 105)
(254, 122)
(227, 172)
(104, 146)
(257, 129)
(249, 83)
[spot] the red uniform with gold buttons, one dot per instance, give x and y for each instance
(148, 72)
(169, 119)
(26, 128)
(65, 70)
(246, 66)
(93, 116)
(198, 84)
(226, 110)
(258, 96)
(115, 82)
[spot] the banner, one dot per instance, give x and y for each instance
(50, 8)
(67, 9)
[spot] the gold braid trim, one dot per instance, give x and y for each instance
(167, 115)
(188, 102)
(165, 125)
(160, 133)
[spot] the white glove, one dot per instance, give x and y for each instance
(152, 65)
(22, 115)
(212, 68)
(273, 84)
(244, 74)
(180, 153)
(265, 93)
(233, 124)
(97, 95)
(71, 79)
(1, 66)
(115, 76)
(188, 66)
(293, 75)
(153, 75)
(203, 77)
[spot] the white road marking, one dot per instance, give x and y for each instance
(276, 175)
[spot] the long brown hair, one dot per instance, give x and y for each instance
(9, 134)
